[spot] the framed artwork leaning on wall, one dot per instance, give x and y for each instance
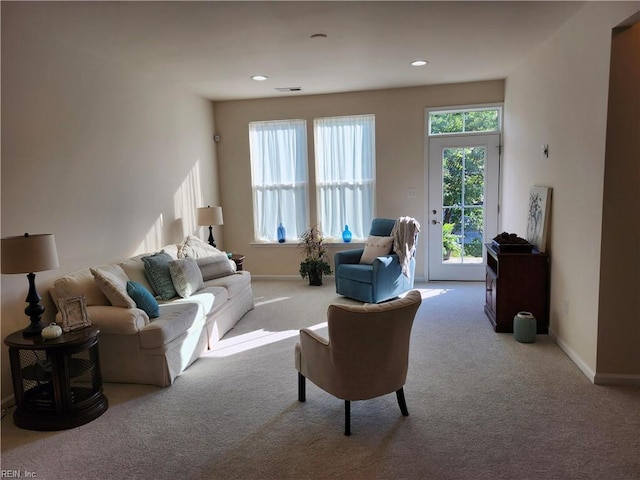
(538, 216)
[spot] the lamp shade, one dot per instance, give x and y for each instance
(210, 216)
(29, 253)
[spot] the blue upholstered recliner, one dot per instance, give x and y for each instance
(374, 283)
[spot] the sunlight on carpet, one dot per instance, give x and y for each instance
(250, 340)
(228, 346)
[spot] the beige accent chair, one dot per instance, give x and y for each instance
(366, 356)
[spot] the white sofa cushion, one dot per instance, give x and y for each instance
(234, 284)
(134, 268)
(77, 283)
(174, 320)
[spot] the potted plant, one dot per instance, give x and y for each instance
(315, 262)
(449, 241)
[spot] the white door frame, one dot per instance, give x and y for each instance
(471, 272)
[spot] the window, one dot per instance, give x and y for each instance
(345, 174)
(279, 178)
(465, 121)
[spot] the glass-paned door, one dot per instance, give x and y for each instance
(463, 204)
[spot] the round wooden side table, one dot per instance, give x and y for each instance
(57, 382)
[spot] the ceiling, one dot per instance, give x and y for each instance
(214, 47)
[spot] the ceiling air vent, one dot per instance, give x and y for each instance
(289, 89)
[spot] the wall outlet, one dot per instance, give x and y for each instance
(411, 193)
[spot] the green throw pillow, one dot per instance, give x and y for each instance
(156, 268)
(143, 298)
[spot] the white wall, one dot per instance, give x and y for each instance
(558, 96)
(109, 160)
(400, 157)
(619, 303)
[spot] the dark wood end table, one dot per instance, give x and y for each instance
(239, 259)
(57, 382)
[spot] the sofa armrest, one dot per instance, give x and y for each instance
(347, 257)
(115, 320)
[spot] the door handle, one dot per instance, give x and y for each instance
(434, 222)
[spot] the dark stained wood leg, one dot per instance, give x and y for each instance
(302, 393)
(402, 402)
(347, 418)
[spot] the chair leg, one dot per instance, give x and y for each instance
(402, 402)
(302, 391)
(347, 418)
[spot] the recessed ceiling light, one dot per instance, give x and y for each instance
(419, 63)
(259, 78)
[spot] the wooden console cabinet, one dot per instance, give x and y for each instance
(516, 282)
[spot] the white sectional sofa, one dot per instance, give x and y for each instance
(135, 348)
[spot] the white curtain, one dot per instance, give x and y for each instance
(345, 174)
(279, 178)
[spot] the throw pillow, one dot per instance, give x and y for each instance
(134, 268)
(376, 247)
(156, 268)
(144, 299)
(112, 281)
(196, 248)
(186, 276)
(216, 266)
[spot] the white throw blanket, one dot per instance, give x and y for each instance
(404, 241)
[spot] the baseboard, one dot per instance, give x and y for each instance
(298, 277)
(283, 277)
(575, 358)
(9, 401)
(611, 379)
(617, 379)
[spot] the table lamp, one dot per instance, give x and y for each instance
(29, 254)
(210, 216)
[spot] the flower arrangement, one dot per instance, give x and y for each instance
(315, 263)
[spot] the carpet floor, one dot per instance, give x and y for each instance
(482, 406)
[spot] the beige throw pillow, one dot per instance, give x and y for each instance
(112, 281)
(195, 248)
(186, 276)
(216, 266)
(376, 247)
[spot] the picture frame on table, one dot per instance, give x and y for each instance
(538, 216)
(74, 313)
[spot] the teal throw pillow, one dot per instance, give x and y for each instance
(143, 298)
(156, 268)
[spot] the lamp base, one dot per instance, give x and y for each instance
(211, 240)
(33, 330)
(34, 310)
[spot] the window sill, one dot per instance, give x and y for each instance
(295, 244)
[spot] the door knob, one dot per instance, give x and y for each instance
(435, 222)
